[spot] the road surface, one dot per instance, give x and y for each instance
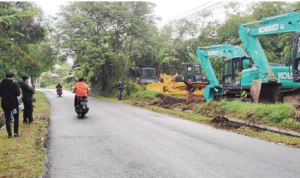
(117, 140)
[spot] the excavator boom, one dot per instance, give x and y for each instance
(203, 53)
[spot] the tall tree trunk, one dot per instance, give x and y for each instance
(31, 78)
(127, 69)
(127, 79)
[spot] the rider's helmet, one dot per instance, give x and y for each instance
(81, 79)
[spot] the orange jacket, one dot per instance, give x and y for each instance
(81, 89)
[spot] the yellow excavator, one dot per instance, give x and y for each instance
(174, 84)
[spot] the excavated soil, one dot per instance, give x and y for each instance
(168, 101)
(223, 123)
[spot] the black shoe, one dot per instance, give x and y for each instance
(24, 122)
(17, 134)
(9, 136)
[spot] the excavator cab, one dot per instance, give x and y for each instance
(191, 70)
(148, 75)
(231, 68)
(296, 58)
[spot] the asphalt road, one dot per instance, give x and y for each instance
(117, 140)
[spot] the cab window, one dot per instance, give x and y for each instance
(298, 48)
(227, 72)
(227, 68)
(189, 70)
(149, 74)
(197, 69)
(236, 65)
(246, 63)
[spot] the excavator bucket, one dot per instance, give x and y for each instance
(211, 91)
(262, 92)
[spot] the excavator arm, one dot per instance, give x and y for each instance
(204, 53)
(265, 89)
(284, 23)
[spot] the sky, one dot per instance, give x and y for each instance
(167, 10)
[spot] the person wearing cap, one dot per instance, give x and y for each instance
(27, 93)
(9, 91)
(81, 89)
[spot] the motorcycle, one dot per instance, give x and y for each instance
(59, 92)
(81, 107)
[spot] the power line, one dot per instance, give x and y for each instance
(184, 13)
(211, 9)
(193, 15)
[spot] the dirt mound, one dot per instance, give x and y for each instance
(223, 123)
(168, 101)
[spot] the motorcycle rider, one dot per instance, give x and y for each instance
(58, 87)
(81, 89)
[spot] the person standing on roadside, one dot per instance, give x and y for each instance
(9, 91)
(120, 90)
(189, 91)
(27, 93)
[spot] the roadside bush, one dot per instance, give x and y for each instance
(133, 87)
(145, 94)
(290, 123)
(210, 109)
(43, 84)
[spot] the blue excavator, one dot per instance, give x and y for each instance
(263, 82)
(238, 62)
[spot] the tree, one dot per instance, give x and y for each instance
(22, 28)
(98, 33)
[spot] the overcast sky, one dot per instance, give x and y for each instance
(167, 10)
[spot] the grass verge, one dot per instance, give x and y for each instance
(25, 156)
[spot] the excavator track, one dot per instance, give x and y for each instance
(291, 96)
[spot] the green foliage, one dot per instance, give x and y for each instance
(43, 83)
(244, 94)
(145, 94)
(290, 123)
(268, 112)
(210, 109)
(23, 44)
(104, 36)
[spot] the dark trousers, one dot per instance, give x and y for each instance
(120, 94)
(28, 110)
(7, 113)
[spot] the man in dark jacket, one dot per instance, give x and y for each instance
(189, 91)
(27, 93)
(9, 90)
(120, 90)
